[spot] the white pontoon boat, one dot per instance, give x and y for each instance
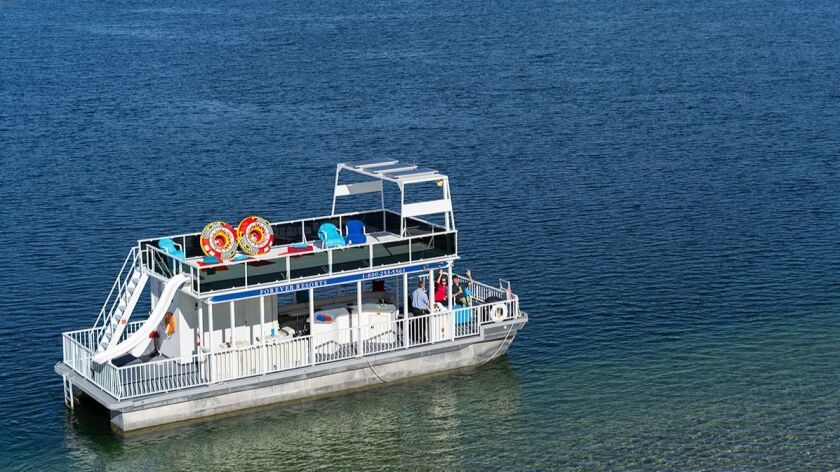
(322, 306)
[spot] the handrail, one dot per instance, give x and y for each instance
(314, 251)
(164, 375)
(158, 256)
(156, 265)
(119, 284)
(303, 220)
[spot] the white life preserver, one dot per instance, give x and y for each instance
(498, 312)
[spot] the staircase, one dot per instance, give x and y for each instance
(121, 301)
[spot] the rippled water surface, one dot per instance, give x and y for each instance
(659, 179)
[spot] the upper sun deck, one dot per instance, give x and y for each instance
(394, 238)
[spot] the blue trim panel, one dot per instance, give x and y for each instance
(294, 287)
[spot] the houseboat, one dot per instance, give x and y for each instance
(264, 312)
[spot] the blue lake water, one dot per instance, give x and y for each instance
(659, 179)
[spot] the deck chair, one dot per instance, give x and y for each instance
(168, 246)
(355, 232)
(330, 236)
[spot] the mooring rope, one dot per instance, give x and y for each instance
(510, 328)
(374, 372)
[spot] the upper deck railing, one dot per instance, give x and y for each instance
(421, 241)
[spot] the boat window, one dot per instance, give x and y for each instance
(222, 277)
(433, 246)
(390, 253)
(373, 221)
(310, 227)
(266, 270)
(350, 258)
(192, 245)
(419, 226)
(307, 265)
(392, 222)
(287, 233)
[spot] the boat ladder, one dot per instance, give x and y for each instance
(121, 301)
(68, 391)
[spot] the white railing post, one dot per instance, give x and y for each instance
(431, 289)
(359, 351)
(233, 354)
(405, 310)
(200, 341)
(312, 326)
(449, 301)
(263, 355)
(212, 353)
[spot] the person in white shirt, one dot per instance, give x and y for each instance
(419, 307)
(420, 300)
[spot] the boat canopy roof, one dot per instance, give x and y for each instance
(401, 174)
(393, 171)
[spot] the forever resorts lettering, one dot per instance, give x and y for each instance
(337, 280)
(294, 287)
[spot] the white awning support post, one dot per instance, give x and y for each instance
(359, 351)
(428, 325)
(405, 310)
(233, 353)
(212, 357)
(263, 356)
(199, 344)
(450, 301)
(312, 326)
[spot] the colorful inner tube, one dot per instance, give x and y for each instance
(255, 235)
(218, 239)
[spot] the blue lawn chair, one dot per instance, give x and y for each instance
(330, 236)
(168, 246)
(355, 232)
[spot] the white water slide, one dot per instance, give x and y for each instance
(140, 338)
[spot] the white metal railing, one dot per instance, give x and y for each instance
(288, 354)
(162, 375)
(382, 337)
(342, 218)
(117, 289)
(77, 354)
(483, 291)
(165, 375)
(165, 265)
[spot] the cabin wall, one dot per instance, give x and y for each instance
(247, 322)
(182, 341)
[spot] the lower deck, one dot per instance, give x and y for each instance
(289, 345)
(312, 381)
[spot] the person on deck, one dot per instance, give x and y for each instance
(420, 300)
(461, 295)
(419, 307)
(440, 289)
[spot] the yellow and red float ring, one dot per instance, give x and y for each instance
(218, 239)
(255, 235)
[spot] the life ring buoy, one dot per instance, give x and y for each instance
(255, 235)
(169, 323)
(218, 239)
(498, 312)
